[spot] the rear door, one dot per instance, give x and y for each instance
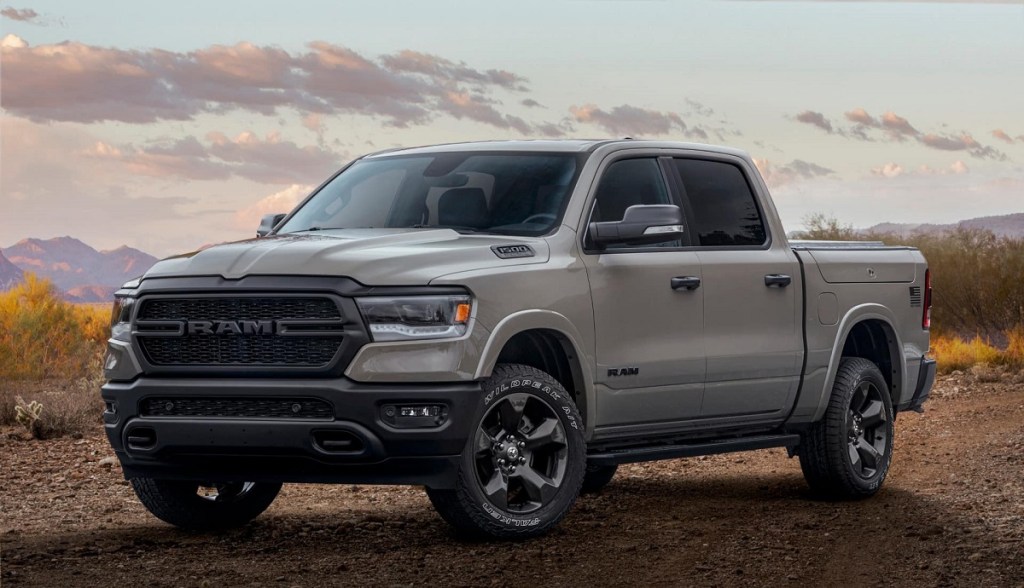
(752, 335)
(649, 336)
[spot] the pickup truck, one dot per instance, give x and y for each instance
(505, 323)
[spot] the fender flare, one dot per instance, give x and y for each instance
(527, 320)
(853, 317)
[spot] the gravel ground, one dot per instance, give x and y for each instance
(951, 513)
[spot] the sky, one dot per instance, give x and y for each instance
(168, 126)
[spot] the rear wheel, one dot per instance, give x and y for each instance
(847, 454)
(523, 465)
(204, 506)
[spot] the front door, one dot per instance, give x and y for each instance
(649, 334)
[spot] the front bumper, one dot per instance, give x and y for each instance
(350, 442)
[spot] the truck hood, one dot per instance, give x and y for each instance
(374, 257)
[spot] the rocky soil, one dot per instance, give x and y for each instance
(952, 513)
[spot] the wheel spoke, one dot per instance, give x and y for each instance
(854, 457)
(484, 441)
(860, 398)
(510, 411)
(549, 432)
(873, 414)
(496, 490)
(538, 486)
(868, 453)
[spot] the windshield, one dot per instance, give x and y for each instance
(516, 194)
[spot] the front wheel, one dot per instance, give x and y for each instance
(523, 464)
(847, 454)
(202, 506)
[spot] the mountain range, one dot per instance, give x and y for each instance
(82, 273)
(1007, 225)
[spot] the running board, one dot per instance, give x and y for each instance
(649, 453)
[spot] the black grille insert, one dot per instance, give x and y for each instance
(254, 408)
(250, 331)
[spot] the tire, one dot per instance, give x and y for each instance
(188, 506)
(597, 477)
(847, 454)
(524, 462)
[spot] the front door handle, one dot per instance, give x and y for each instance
(777, 280)
(686, 283)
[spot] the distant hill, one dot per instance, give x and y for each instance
(10, 274)
(1007, 225)
(83, 273)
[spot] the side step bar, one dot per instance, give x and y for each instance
(652, 453)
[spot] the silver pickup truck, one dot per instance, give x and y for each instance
(505, 323)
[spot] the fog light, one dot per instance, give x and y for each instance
(419, 411)
(409, 416)
(111, 361)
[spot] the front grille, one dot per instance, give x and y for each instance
(255, 308)
(300, 331)
(256, 408)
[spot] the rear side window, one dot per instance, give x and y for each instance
(725, 212)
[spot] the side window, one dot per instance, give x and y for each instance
(724, 210)
(625, 183)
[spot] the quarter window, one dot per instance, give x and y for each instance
(724, 210)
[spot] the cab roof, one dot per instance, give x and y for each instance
(554, 146)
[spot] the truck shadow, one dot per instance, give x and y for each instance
(761, 528)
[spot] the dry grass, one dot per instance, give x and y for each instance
(955, 353)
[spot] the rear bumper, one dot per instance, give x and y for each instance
(925, 380)
(350, 442)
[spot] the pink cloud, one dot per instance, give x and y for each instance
(267, 160)
(1002, 136)
(816, 119)
(626, 120)
(281, 201)
(776, 175)
(78, 82)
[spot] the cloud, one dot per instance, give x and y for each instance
(281, 201)
(893, 170)
(893, 127)
(1004, 136)
(269, 160)
(21, 14)
(815, 118)
(780, 174)
(626, 120)
(531, 103)
(78, 82)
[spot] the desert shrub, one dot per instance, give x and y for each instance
(52, 408)
(954, 353)
(42, 336)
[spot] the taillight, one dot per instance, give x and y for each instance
(926, 317)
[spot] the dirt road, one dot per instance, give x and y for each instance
(952, 513)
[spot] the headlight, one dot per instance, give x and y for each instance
(416, 317)
(120, 316)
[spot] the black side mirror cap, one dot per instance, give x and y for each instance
(268, 222)
(642, 224)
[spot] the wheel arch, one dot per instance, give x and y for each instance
(867, 331)
(548, 341)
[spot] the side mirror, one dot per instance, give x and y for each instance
(642, 224)
(268, 222)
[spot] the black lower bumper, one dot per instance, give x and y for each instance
(925, 380)
(333, 430)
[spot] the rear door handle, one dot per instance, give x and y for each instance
(777, 280)
(686, 283)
